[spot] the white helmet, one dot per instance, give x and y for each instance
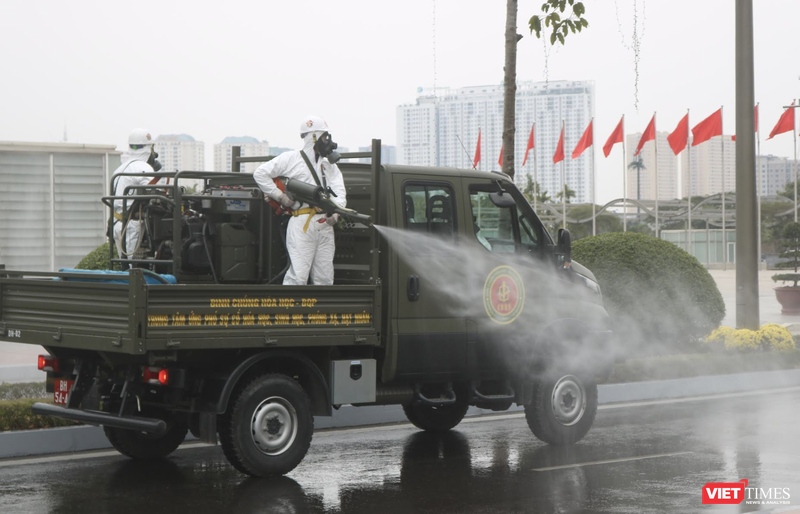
(140, 137)
(313, 124)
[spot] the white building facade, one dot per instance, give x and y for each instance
(642, 184)
(251, 147)
(713, 162)
(180, 152)
(441, 129)
(775, 172)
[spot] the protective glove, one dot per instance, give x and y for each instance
(285, 201)
(330, 221)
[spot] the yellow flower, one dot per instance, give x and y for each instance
(720, 336)
(776, 337)
(743, 340)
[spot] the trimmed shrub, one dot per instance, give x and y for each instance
(26, 390)
(743, 340)
(661, 298)
(777, 338)
(719, 337)
(17, 415)
(97, 259)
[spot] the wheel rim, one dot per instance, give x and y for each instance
(274, 425)
(569, 400)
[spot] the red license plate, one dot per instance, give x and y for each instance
(61, 390)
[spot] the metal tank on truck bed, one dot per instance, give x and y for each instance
(456, 296)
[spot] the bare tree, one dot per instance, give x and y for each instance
(552, 17)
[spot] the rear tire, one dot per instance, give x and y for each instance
(268, 426)
(563, 408)
(140, 445)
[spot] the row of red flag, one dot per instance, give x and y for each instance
(677, 139)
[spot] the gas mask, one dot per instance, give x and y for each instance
(325, 147)
(153, 162)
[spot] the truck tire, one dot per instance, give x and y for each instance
(139, 445)
(563, 408)
(437, 419)
(268, 426)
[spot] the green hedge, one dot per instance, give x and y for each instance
(26, 390)
(660, 298)
(17, 415)
(97, 259)
(703, 364)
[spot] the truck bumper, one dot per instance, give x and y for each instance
(149, 425)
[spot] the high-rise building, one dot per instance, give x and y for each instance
(251, 147)
(710, 165)
(641, 182)
(178, 152)
(776, 172)
(441, 129)
(388, 154)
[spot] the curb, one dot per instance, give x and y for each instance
(75, 439)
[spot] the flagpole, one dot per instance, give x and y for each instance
(758, 196)
(535, 183)
(594, 185)
(563, 185)
(655, 132)
(624, 182)
(794, 140)
(690, 235)
(724, 234)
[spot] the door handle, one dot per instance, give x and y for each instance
(412, 288)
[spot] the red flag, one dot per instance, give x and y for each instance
(708, 128)
(677, 140)
(585, 142)
(785, 123)
(530, 145)
(559, 155)
(477, 151)
(500, 160)
(614, 138)
(649, 135)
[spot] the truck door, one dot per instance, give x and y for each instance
(508, 237)
(431, 335)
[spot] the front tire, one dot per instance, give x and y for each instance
(563, 408)
(143, 446)
(267, 429)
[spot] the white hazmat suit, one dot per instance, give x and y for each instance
(309, 240)
(136, 162)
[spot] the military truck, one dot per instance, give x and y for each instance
(448, 293)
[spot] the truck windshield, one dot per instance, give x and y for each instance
(504, 229)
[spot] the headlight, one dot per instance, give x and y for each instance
(591, 284)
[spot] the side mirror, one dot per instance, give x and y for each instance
(502, 200)
(564, 248)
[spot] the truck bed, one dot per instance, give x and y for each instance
(73, 311)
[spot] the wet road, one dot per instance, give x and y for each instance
(644, 458)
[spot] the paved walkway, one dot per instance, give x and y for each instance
(15, 354)
(769, 308)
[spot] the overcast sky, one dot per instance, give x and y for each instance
(217, 69)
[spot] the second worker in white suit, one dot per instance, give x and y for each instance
(309, 236)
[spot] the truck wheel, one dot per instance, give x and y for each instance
(563, 408)
(140, 445)
(437, 419)
(267, 428)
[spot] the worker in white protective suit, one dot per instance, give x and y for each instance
(309, 235)
(140, 158)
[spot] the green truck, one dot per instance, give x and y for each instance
(449, 293)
